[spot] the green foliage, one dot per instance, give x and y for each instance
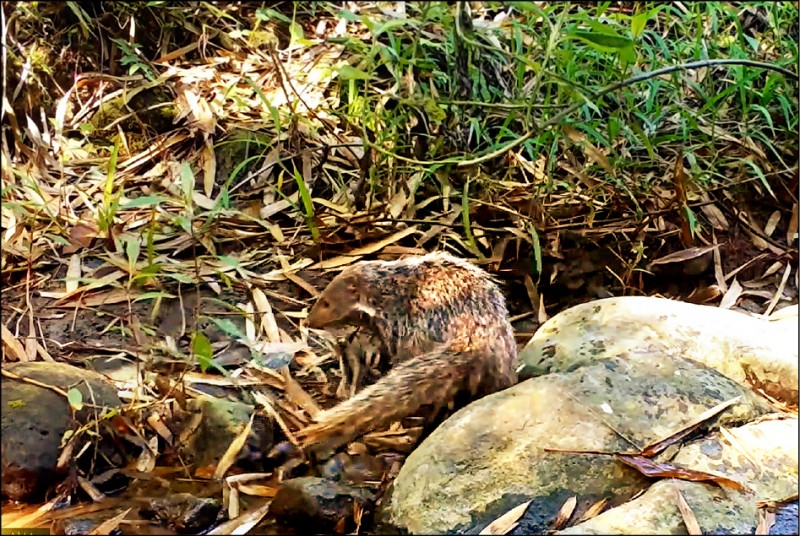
(131, 58)
(75, 399)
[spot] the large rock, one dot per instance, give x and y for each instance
(222, 420)
(34, 420)
(310, 502)
(755, 352)
(490, 456)
(762, 456)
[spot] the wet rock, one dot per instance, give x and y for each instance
(317, 502)
(75, 526)
(786, 520)
(221, 421)
(490, 456)
(764, 459)
(755, 352)
(34, 420)
(182, 512)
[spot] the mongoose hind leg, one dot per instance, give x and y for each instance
(358, 356)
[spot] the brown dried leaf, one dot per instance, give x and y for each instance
(653, 469)
(658, 446)
(705, 294)
(209, 160)
(81, 236)
(91, 490)
(157, 423)
(15, 349)
(147, 459)
(241, 524)
(233, 503)
(298, 395)
(791, 231)
(779, 291)
(73, 273)
(269, 326)
(715, 217)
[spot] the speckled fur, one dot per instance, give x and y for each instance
(445, 325)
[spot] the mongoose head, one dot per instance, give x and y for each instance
(341, 303)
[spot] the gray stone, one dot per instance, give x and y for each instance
(763, 458)
(755, 352)
(317, 502)
(490, 456)
(34, 420)
(222, 420)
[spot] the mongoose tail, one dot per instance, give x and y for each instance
(432, 378)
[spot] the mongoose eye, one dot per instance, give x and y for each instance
(324, 303)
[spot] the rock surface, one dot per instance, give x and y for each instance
(222, 420)
(182, 512)
(755, 352)
(34, 420)
(490, 456)
(312, 502)
(762, 456)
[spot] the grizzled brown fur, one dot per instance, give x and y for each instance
(443, 322)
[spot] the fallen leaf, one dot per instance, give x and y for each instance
(506, 522)
(229, 458)
(654, 469)
(14, 347)
(564, 513)
(689, 519)
(730, 297)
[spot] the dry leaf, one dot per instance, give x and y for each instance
(594, 510)
(269, 326)
(147, 459)
(242, 524)
(689, 519)
(95, 494)
(209, 160)
(109, 525)
(157, 423)
(356, 254)
(684, 255)
(506, 522)
(653, 469)
(298, 395)
(730, 297)
(564, 513)
(14, 347)
(791, 231)
(766, 520)
(229, 458)
(772, 223)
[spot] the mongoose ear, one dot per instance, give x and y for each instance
(352, 283)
